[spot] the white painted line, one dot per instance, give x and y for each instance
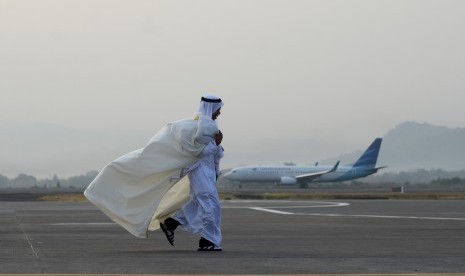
(322, 205)
(353, 216)
(339, 274)
(316, 204)
(30, 244)
(382, 216)
(270, 211)
(340, 204)
(255, 200)
(83, 223)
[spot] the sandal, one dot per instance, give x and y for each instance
(210, 248)
(168, 233)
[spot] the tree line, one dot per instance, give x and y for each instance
(419, 178)
(29, 181)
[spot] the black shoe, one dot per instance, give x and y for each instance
(210, 248)
(168, 233)
(206, 245)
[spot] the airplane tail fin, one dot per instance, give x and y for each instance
(370, 156)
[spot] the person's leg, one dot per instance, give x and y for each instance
(211, 222)
(171, 223)
(168, 227)
(201, 215)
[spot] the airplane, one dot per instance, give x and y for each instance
(291, 175)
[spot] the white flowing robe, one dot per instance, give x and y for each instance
(143, 187)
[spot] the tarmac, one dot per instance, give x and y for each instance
(347, 237)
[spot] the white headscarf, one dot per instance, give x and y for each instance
(208, 105)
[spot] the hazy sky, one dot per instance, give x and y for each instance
(301, 80)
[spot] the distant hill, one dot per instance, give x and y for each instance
(412, 145)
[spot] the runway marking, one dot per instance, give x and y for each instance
(39, 261)
(270, 211)
(30, 244)
(345, 215)
(321, 204)
(332, 274)
(380, 216)
(82, 223)
(324, 204)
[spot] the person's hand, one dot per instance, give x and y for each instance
(218, 138)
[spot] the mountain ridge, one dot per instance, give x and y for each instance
(412, 145)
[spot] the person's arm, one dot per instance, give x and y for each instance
(218, 137)
(219, 152)
(206, 130)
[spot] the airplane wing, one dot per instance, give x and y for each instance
(375, 169)
(308, 177)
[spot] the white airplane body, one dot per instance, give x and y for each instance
(290, 175)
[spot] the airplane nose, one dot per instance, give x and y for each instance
(227, 175)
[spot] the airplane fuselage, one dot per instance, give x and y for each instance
(278, 173)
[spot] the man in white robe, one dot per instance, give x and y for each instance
(202, 214)
(144, 187)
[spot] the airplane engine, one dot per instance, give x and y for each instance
(288, 180)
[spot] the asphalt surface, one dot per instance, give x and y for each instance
(260, 237)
